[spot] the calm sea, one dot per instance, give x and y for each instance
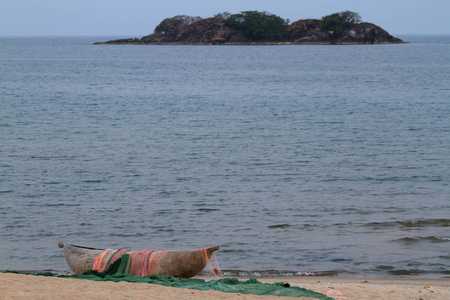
(296, 160)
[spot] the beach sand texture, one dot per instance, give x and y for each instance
(18, 286)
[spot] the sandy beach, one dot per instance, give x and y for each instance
(18, 286)
(365, 289)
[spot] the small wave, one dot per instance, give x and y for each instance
(93, 181)
(40, 157)
(384, 267)
(278, 226)
(208, 209)
(232, 251)
(391, 270)
(411, 224)
(61, 204)
(431, 239)
(86, 224)
(406, 272)
(165, 229)
(274, 273)
(127, 235)
(341, 260)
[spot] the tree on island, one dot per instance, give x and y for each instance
(339, 22)
(170, 26)
(223, 15)
(258, 25)
(350, 17)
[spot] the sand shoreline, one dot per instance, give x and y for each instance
(19, 286)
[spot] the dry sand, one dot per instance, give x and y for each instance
(365, 289)
(17, 286)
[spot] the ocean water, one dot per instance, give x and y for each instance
(296, 160)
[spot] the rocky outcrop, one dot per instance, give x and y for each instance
(363, 33)
(367, 33)
(205, 31)
(303, 28)
(208, 30)
(307, 32)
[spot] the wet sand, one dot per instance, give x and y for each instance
(18, 286)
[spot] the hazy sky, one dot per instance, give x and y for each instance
(136, 18)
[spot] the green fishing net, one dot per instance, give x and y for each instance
(226, 285)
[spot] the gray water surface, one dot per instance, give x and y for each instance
(294, 159)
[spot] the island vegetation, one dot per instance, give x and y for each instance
(254, 27)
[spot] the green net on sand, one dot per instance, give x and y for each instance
(226, 285)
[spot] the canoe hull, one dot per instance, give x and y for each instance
(179, 263)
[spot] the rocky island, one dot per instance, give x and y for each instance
(263, 28)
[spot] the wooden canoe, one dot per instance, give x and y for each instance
(179, 263)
